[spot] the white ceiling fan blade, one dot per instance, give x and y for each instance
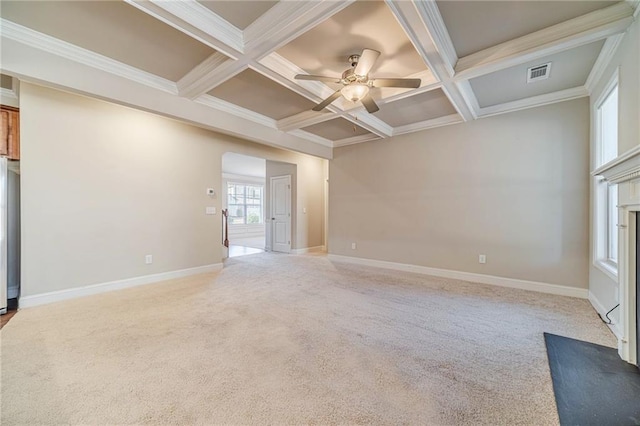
(317, 78)
(369, 104)
(411, 83)
(327, 101)
(366, 61)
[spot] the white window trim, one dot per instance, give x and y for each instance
(247, 183)
(601, 241)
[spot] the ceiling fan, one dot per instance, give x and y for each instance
(357, 83)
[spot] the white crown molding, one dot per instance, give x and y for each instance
(285, 21)
(415, 29)
(428, 124)
(29, 37)
(534, 101)
(355, 140)
(214, 70)
(89, 290)
(198, 22)
(415, 18)
(604, 58)
(472, 277)
(369, 122)
(33, 65)
(465, 90)
(303, 119)
(573, 33)
(311, 137)
(430, 14)
(623, 168)
(223, 72)
(462, 102)
(236, 110)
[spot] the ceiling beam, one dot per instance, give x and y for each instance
(311, 137)
(285, 21)
(303, 119)
(425, 28)
(207, 74)
(37, 64)
(196, 21)
(428, 124)
(54, 46)
(283, 72)
(573, 33)
(369, 122)
(280, 24)
(355, 139)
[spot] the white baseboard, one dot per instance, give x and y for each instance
(599, 307)
(308, 250)
(72, 293)
(561, 290)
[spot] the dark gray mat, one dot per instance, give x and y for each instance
(592, 385)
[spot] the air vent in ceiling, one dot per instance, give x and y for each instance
(539, 72)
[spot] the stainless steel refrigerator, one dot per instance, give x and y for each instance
(9, 233)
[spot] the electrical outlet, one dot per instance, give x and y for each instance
(482, 258)
(353, 246)
(148, 259)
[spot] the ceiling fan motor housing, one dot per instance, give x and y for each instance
(349, 76)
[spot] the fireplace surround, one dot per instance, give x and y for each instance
(624, 171)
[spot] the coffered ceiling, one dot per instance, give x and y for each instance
(230, 65)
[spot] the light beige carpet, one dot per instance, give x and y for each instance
(278, 339)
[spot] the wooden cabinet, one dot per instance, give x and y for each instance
(10, 142)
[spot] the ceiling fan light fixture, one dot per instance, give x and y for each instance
(355, 91)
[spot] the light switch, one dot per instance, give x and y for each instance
(211, 192)
(210, 210)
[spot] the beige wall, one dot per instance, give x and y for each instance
(514, 187)
(627, 61)
(104, 185)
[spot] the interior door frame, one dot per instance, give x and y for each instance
(272, 204)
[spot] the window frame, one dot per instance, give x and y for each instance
(244, 204)
(606, 231)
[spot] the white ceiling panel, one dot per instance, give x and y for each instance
(422, 107)
(241, 14)
(368, 24)
(477, 25)
(336, 129)
(255, 92)
(113, 29)
(569, 69)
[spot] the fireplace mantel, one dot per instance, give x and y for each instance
(621, 169)
(625, 172)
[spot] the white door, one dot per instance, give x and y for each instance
(281, 214)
